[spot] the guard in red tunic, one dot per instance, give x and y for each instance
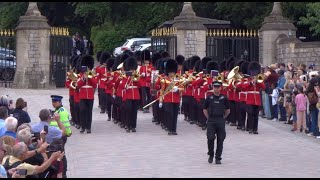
(86, 84)
(230, 93)
(131, 84)
(108, 86)
(153, 89)
(145, 79)
(170, 96)
(253, 88)
(243, 96)
(101, 71)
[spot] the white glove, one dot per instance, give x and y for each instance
(160, 105)
(114, 96)
(175, 89)
(143, 74)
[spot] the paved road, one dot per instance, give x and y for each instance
(111, 152)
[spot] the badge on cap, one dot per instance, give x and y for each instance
(56, 98)
(216, 83)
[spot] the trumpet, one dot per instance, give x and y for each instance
(74, 78)
(259, 78)
(90, 74)
(135, 76)
(221, 79)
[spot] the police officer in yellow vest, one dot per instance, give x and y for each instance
(64, 118)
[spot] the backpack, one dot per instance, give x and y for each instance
(8, 167)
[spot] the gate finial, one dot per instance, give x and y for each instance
(187, 10)
(276, 10)
(33, 9)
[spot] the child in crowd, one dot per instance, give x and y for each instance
(301, 107)
(294, 111)
(275, 96)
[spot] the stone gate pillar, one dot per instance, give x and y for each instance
(191, 33)
(33, 40)
(272, 27)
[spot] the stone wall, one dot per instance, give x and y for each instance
(33, 59)
(191, 42)
(297, 52)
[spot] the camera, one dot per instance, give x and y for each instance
(36, 136)
(22, 171)
(51, 112)
(55, 148)
(45, 128)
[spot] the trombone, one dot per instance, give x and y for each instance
(73, 77)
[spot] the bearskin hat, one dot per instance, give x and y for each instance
(193, 61)
(104, 57)
(124, 56)
(185, 66)
(254, 68)
(71, 61)
(98, 55)
(171, 66)
(165, 54)
(222, 66)
(204, 61)
(116, 63)
(180, 59)
(76, 63)
(231, 65)
(197, 66)
(230, 59)
(244, 67)
(137, 55)
(212, 65)
(155, 58)
(145, 55)
(161, 65)
(130, 64)
(88, 61)
(238, 63)
(110, 63)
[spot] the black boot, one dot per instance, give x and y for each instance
(210, 160)
(218, 161)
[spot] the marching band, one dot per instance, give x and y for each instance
(167, 85)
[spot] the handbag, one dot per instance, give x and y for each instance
(313, 98)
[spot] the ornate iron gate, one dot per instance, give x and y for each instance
(164, 39)
(242, 44)
(60, 52)
(8, 58)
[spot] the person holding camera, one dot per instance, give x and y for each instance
(53, 133)
(19, 113)
(216, 109)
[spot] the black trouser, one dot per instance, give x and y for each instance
(76, 118)
(253, 117)
(216, 129)
(161, 116)
(109, 100)
(186, 103)
(71, 101)
(242, 114)
(193, 111)
(237, 112)
(132, 107)
(123, 113)
(145, 96)
(171, 115)
(116, 108)
(202, 117)
(232, 115)
(102, 99)
(86, 106)
(155, 109)
(99, 95)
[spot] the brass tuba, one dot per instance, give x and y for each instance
(74, 78)
(260, 78)
(221, 79)
(135, 76)
(90, 73)
(234, 76)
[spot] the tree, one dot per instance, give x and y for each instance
(312, 18)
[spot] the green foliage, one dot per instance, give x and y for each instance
(10, 13)
(312, 18)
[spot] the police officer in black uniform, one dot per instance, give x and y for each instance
(216, 109)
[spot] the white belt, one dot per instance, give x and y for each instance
(243, 92)
(86, 86)
(104, 79)
(130, 87)
(201, 86)
(253, 92)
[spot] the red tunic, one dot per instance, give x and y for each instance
(71, 90)
(253, 94)
(171, 97)
(86, 87)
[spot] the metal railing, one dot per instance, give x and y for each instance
(164, 39)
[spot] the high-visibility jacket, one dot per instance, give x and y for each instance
(64, 118)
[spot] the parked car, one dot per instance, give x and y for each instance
(7, 69)
(134, 43)
(117, 51)
(156, 48)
